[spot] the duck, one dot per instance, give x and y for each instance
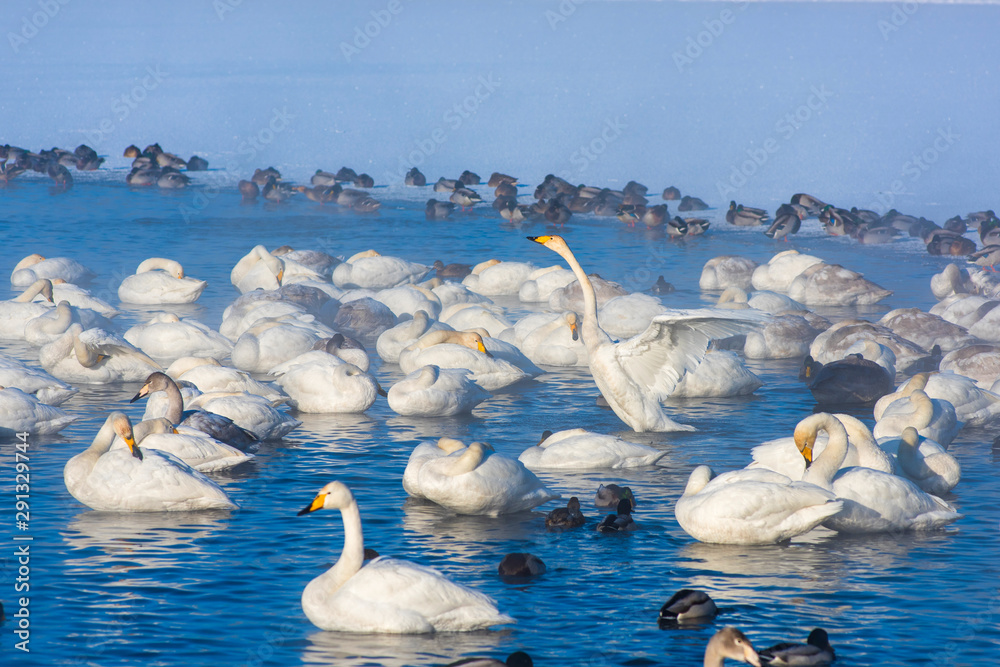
(933, 418)
(438, 210)
(873, 501)
(421, 454)
(515, 659)
(158, 280)
(167, 337)
(465, 197)
(463, 350)
(816, 651)
(751, 507)
(521, 565)
(249, 190)
(687, 605)
(415, 178)
(387, 595)
(95, 356)
(198, 450)
(579, 449)
(35, 267)
(566, 517)
(477, 480)
(729, 643)
(218, 426)
(619, 522)
(787, 220)
(431, 391)
(21, 412)
(741, 215)
(852, 380)
(813, 205)
(135, 480)
(636, 374)
(987, 256)
(690, 203)
(608, 495)
(33, 381)
(782, 455)
(17, 312)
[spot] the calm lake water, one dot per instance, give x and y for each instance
(223, 588)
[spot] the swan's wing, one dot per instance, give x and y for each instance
(675, 343)
(111, 344)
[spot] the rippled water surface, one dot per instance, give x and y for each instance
(223, 588)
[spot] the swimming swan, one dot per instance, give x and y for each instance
(636, 374)
(873, 501)
(133, 480)
(387, 595)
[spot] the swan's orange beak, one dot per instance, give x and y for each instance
(539, 239)
(316, 504)
(805, 446)
(575, 329)
(132, 447)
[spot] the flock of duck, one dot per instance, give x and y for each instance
(298, 337)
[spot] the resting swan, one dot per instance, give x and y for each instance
(167, 337)
(134, 480)
(873, 501)
(160, 281)
(925, 462)
(387, 595)
(21, 412)
(476, 480)
(435, 392)
(202, 452)
(35, 267)
(461, 349)
(932, 417)
(636, 374)
(973, 406)
(94, 356)
(34, 381)
(579, 449)
(17, 312)
(751, 507)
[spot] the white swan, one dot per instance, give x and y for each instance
(133, 480)
(786, 336)
(464, 350)
(370, 270)
(435, 392)
(50, 325)
(727, 271)
(160, 281)
(782, 455)
(579, 449)
(200, 451)
(82, 299)
(267, 344)
(477, 480)
(721, 373)
(979, 362)
(540, 283)
(34, 381)
(636, 374)
(873, 501)
(550, 339)
(452, 293)
(833, 285)
(346, 349)
(498, 279)
(750, 507)
(250, 412)
(392, 341)
(833, 343)
(258, 269)
(35, 267)
(465, 316)
(408, 299)
(973, 405)
(167, 337)
(17, 312)
(932, 417)
(334, 386)
(781, 270)
(208, 375)
(927, 330)
(421, 454)
(764, 300)
(95, 356)
(629, 315)
(387, 595)
(23, 413)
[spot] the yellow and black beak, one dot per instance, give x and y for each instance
(316, 504)
(806, 448)
(133, 447)
(281, 274)
(143, 391)
(539, 239)
(575, 330)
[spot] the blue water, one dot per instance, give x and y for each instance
(224, 588)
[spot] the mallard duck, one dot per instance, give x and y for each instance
(787, 220)
(689, 203)
(566, 517)
(619, 522)
(608, 495)
(671, 193)
(496, 178)
(744, 216)
(415, 178)
(687, 605)
(438, 210)
(816, 651)
(520, 565)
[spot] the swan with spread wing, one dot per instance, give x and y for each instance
(634, 375)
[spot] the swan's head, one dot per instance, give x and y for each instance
(733, 644)
(123, 427)
(572, 321)
(807, 430)
(30, 260)
(155, 382)
(552, 242)
(700, 476)
(333, 496)
(449, 445)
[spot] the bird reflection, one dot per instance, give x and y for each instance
(347, 649)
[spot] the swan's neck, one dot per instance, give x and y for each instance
(88, 358)
(353, 553)
(825, 466)
(923, 410)
(61, 322)
(161, 264)
(593, 335)
(38, 287)
(87, 459)
(175, 403)
(467, 461)
(428, 376)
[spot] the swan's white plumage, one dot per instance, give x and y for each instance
(160, 281)
(435, 392)
(23, 413)
(579, 449)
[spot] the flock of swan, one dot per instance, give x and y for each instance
(294, 341)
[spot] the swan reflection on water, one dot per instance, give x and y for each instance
(346, 649)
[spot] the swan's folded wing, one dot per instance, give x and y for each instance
(675, 343)
(110, 344)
